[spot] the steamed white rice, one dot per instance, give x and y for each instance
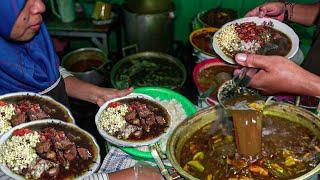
(177, 114)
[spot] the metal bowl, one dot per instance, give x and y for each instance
(149, 6)
(115, 71)
(200, 53)
(187, 128)
(228, 91)
(94, 75)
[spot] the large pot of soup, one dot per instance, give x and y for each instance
(87, 64)
(290, 147)
(147, 69)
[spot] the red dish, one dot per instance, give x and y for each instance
(204, 74)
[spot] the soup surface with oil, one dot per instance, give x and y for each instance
(289, 150)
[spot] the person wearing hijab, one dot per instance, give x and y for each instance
(28, 61)
(278, 74)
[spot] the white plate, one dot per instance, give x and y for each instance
(124, 143)
(298, 58)
(277, 25)
(93, 167)
(44, 97)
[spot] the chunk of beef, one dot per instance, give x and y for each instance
(73, 138)
(137, 133)
(59, 135)
(40, 168)
(48, 132)
(144, 125)
(150, 120)
(143, 113)
(130, 116)
(18, 119)
(43, 147)
(62, 161)
(129, 130)
(84, 153)
(33, 115)
(70, 153)
(160, 120)
(47, 110)
(135, 122)
(51, 155)
(24, 105)
(151, 108)
(63, 144)
(53, 171)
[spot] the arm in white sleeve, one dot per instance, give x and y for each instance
(64, 73)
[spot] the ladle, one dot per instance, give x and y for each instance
(242, 79)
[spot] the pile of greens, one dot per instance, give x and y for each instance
(149, 72)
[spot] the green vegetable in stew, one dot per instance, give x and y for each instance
(149, 72)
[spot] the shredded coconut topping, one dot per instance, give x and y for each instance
(19, 152)
(6, 113)
(112, 119)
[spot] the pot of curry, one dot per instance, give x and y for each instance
(290, 146)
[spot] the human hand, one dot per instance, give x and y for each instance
(276, 75)
(275, 10)
(101, 95)
(144, 171)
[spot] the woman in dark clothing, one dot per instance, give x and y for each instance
(278, 74)
(28, 61)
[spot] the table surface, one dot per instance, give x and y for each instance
(81, 24)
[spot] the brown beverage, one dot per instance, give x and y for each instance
(248, 130)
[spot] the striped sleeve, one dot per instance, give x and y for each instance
(97, 176)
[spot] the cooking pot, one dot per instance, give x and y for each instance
(187, 128)
(201, 54)
(149, 6)
(149, 31)
(86, 64)
(139, 57)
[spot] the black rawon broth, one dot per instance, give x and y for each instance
(266, 39)
(289, 150)
(280, 44)
(77, 166)
(54, 111)
(149, 130)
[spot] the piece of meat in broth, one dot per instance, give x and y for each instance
(129, 129)
(84, 153)
(70, 153)
(43, 147)
(160, 120)
(150, 120)
(18, 119)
